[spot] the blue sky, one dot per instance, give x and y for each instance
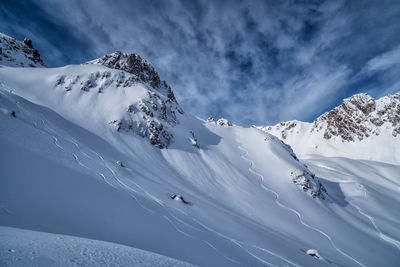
(253, 62)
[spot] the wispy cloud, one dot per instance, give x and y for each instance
(254, 62)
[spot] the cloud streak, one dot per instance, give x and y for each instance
(254, 62)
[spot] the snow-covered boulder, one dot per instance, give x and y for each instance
(314, 253)
(179, 198)
(223, 122)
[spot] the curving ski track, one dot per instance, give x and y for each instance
(384, 237)
(290, 209)
(130, 191)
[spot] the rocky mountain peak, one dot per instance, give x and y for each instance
(15, 53)
(360, 116)
(359, 102)
(142, 71)
(356, 118)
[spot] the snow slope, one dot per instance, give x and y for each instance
(96, 164)
(30, 248)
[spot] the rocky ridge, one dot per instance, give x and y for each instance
(140, 69)
(15, 53)
(357, 118)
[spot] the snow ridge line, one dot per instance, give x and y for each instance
(290, 209)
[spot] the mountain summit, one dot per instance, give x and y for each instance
(359, 123)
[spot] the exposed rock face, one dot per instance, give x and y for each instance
(357, 118)
(151, 118)
(15, 53)
(360, 116)
(142, 71)
(309, 183)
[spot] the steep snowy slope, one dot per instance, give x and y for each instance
(98, 151)
(360, 128)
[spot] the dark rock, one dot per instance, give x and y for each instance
(28, 42)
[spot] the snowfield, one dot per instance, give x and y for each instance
(91, 161)
(31, 248)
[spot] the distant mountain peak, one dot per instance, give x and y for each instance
(360, 116)
(15, 53)
(356, 118)
(348, 130)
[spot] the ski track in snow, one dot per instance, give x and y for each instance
(383, 236)
(129, 189)
(161, 203)
(240, 244)
(290, 209)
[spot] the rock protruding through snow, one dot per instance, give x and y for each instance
(15, 53)
(309, 183)
(314, 253)
(179, 198)
(140, 69)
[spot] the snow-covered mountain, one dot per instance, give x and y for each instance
(103, 151)
(361, 128)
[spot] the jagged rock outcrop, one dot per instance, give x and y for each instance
(357, 118)
(150, 117)
(309, 183)
(360, 116)
(142, 71)
(15, 53)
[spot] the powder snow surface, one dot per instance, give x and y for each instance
(59, 175)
